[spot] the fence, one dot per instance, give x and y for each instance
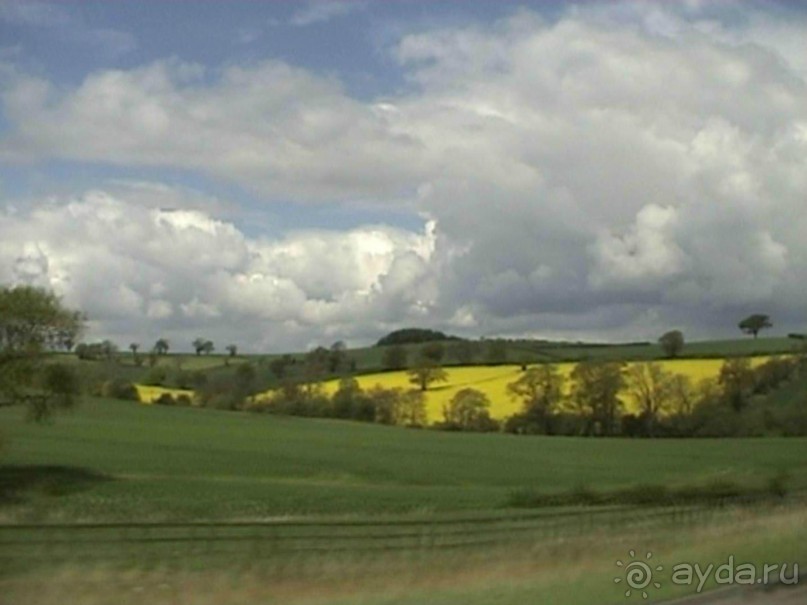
(26, 545)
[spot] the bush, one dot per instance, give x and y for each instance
(715, 493)
(351, 402)
(165, 399)
(156, 376)
(118, 388)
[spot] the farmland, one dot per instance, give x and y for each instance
(226, 505)
(338, 485)
(493, 381)
(178, 463)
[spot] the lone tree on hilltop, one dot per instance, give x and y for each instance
(672, 343)
(754, 323)
(200, 345)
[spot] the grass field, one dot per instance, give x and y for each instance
(161, 462)
(336, 497)
(567, 568)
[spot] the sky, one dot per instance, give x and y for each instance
(282, 175)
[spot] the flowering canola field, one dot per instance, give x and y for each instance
(148, 394)
(493, 381)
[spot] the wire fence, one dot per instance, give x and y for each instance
(26, 545)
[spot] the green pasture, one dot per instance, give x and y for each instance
(122, 460)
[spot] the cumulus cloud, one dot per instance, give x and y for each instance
(141, 273)
(274, 127)
(623, 167)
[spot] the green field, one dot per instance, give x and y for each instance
(319, 511)
(536, 351)
(179, 463)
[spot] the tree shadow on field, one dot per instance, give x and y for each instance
(21, 482)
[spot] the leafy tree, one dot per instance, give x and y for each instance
(651, 386)
(595, 394)
(33, 321)
(425, 374)
(395, 357)
(412, 335)
(497, 351)
(754, 323)
(227, 390)
(161, 346)
(464, 351)
(672, 343)
(433, 352)
(386, 403)
(350, 401)
(108, 349)
(540, 390)
(736, 380)
(337, 357)
(316, 365)
(412, 409)
(232, 350)
(469, 410)
(279, 365)
(200, 345)
(682, 395)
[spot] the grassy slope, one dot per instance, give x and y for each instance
(185, 463)
(369, 358)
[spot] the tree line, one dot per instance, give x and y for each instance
(588, 402)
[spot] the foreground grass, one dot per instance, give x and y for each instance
(566, 569)
(124, 461)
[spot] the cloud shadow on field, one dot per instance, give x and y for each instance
(21, 482)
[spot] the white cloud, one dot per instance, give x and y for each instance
(276, 128)
(321, 11)
(66, 24)
(626, 166)
(141, 272)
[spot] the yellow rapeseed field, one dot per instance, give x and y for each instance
(493, 381)
(149, 394)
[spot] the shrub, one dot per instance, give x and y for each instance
(165, 399)
(118, 388)
(156, 376)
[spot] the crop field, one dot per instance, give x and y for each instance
(148, 394)
(182, 505)
(120, 460)
(493, 381)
